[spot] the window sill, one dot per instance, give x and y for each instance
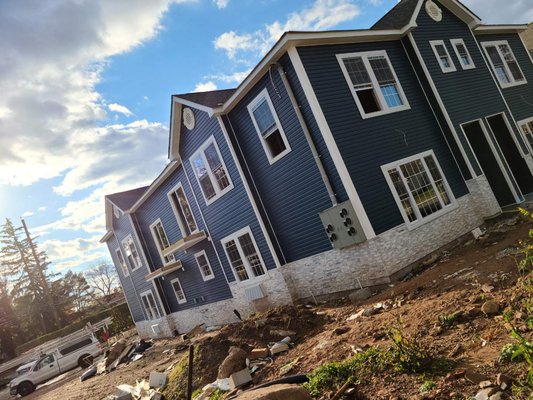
(167, 269)
(185, 243)
(509, 85)
(218, 196)
(208, 278)
(279, 156)
(385, 112)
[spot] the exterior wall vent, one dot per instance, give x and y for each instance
(342, 225)
(254, 293)
(188, 118)
(434, 11)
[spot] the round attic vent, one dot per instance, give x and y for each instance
(434, 11)
(188, 118)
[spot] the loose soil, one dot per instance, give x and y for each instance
(449, 285)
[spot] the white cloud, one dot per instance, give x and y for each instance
(502, 12)
(66, 254)
(236, 77)
(27, 214)
(43, 208)
(119, 109)
(323, 14)
(205, 86)
(221, 3)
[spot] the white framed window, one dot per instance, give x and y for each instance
(443, 57)
(149, 305)
(419, 188)
(132, 255)
(268, 127)
(116, 212)
(503, 63)
(210, 171)
(182, 210)
(462, 53)
(178, 291)
(242, 253)
(526, 126)
(122, 262)
(204, 266)
(373, 83)
(161, 241)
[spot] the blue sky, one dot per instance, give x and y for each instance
(86, 88)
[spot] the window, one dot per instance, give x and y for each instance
(242, 253)
(268, 127)
(161, 240)
(443, 57)
(462, 54)
(210, 171)
(122, 262)
(182, 210)
(76, 346)
(418, 185)
(148, 302)
(47, 360)
(132, 254)
(373, 83)
(527, 129)
(204, 266)
(178, 290)
(504, 63)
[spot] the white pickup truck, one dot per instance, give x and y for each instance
(79, 352)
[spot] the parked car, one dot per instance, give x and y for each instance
(79, 352)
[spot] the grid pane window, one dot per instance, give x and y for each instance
(210, 171)
(131, 253)
(161, 239)
(373, 82)
(178, 290)
(204, 266)
(465, 60)
(122, 262)
(243, 255)
(443, 56)
(149, 305)
(420, 187)
(184, 212)
(504, 63)
(527, 129)
(268, 127)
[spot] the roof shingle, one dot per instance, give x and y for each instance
(211, 99)
(398, 16)
(124, 200)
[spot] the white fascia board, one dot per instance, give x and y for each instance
(171, 167)
(177, 99)
(498, 29)
(301, 39)
(106, 237)
(174, 137)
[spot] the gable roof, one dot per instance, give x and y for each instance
(124, 200)
(399, 16)
(211, 99)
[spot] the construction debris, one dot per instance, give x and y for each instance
(234, 362)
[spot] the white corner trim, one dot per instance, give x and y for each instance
(441, 105)
(249, 194)
(331, 144)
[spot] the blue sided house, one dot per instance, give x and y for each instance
(342, 159)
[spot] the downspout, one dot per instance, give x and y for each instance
(307, 133)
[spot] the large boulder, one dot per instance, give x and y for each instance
(234, 362)
(277, 392)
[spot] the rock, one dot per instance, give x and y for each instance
(361, 294)
(234, 362)
(341, 330)
(476, 299)
(475, 377)
(452, 376)
(353, 317)
(276, 392)
(281, 332)
(259, 323)
(279, 347)
(485, 394)
(486, 288)
(456, 350)
(485, 384)
(490, 307)
(240, 378)
(503, 381)
(367, 312)
(496, 396)
(258, 353)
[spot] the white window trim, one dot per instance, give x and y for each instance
(143, 294)
(251, 108)
(454, 43)
(252, 278)
(136, 267)
(523, 122)
(219, 193)
(175, 210)
(513, 81)
(434, 44)
(156, 241)
(421, 220)
(123, 267)
(180, 301)
(385, 109)
(196, 256)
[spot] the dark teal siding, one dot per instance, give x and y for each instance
(467, 94)
(291, 189)
(231, 212)
(366, 144)
(519, 98)
(158, 206)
